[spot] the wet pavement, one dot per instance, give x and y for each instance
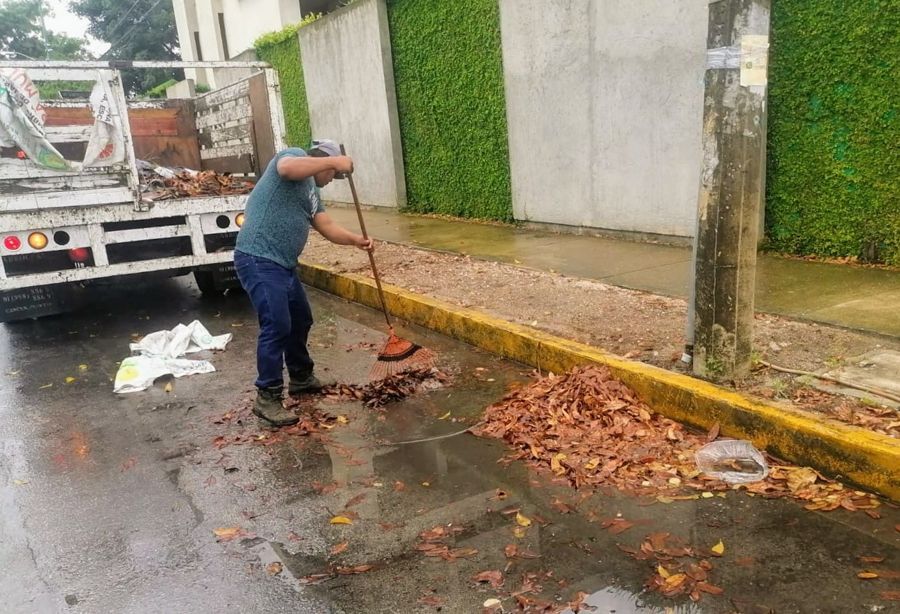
(108, 503)
(848, 296)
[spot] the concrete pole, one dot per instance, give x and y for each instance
(732, 190)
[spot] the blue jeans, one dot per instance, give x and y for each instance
(284, 318)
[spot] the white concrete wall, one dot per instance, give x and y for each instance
(349, 77)
(604, 104)
(247, 20)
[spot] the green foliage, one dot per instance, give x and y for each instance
(22, 33)
(159, 91)
(834, 129)
(136, 30)
(282, 50)
(449, 79)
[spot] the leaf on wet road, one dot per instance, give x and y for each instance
(356, 500)
(871, 559)
(445, 416)
(399, 486)
(709, 588)
(522, 521)
(520, 532)
(511, 550)
(294, 537)
(616, 525)
(430, 600)
(577, 604)
(342, 420)
(82, 368)
(226, 534)
(713, 433)
(888, 574)
(890, 595)
(347, 571)
(718, 549)
(273, 569)
(70, 379)
(561, 506)
(867, 575)
(340, 520)
(338, 548)
(493, 577)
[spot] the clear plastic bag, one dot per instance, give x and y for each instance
(732, 460)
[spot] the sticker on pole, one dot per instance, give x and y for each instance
(754, 59)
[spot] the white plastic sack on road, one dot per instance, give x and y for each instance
(179, 341)
(160, 353)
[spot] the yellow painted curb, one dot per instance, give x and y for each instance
(852, 454)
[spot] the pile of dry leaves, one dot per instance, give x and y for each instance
(389, 390)
(190, 184)
(592, 430)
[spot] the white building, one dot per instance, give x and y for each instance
(217, 30)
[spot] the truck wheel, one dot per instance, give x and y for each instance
(206, 281)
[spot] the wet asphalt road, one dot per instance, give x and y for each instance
(108, 503)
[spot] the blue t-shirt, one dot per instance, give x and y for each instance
(278, 215)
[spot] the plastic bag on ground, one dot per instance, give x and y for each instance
(161, 352)
(179, 341)
(732, 460)
(138, 373)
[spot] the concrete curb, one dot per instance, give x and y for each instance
(852, 454)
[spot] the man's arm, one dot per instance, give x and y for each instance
(298, 168)
(336, 233)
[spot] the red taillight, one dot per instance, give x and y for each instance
(12, 243)
(79, 254)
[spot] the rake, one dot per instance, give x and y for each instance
(398, 355)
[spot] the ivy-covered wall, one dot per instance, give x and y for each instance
(834, 130)
(449, 81)
(282, 50)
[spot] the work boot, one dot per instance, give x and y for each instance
(268, 407)
(304, 383)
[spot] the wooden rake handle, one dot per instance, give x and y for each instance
(362, 227)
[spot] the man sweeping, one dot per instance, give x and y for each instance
(279, 212)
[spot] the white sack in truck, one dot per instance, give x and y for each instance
(22, 120)
(106, 146)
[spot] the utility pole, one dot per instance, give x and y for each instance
(732, 187)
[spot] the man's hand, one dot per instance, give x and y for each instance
(335, 233)
(342, 164)
(365, 244)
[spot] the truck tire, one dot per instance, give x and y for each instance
(206, 281)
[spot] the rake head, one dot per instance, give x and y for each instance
(398, 356)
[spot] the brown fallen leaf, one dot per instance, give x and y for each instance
(399, 486)
(897, 527)
(889, 574)
(294, 537)
(316, 578)
(577, 604)
(493, 577)
(561, 506)
(348, 571)
(338, 548)
(871, 559)
(511, 550)
(225, 534)
(356, 500)
(867, 575)
(430, 600)
(709, 588)
(273, 569)
(616, 525)
(460, 553)
(713, 433)
(890, 595)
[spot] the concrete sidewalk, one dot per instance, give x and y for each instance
(848, 296)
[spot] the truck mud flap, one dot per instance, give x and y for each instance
(223, 275)
(37, 302)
